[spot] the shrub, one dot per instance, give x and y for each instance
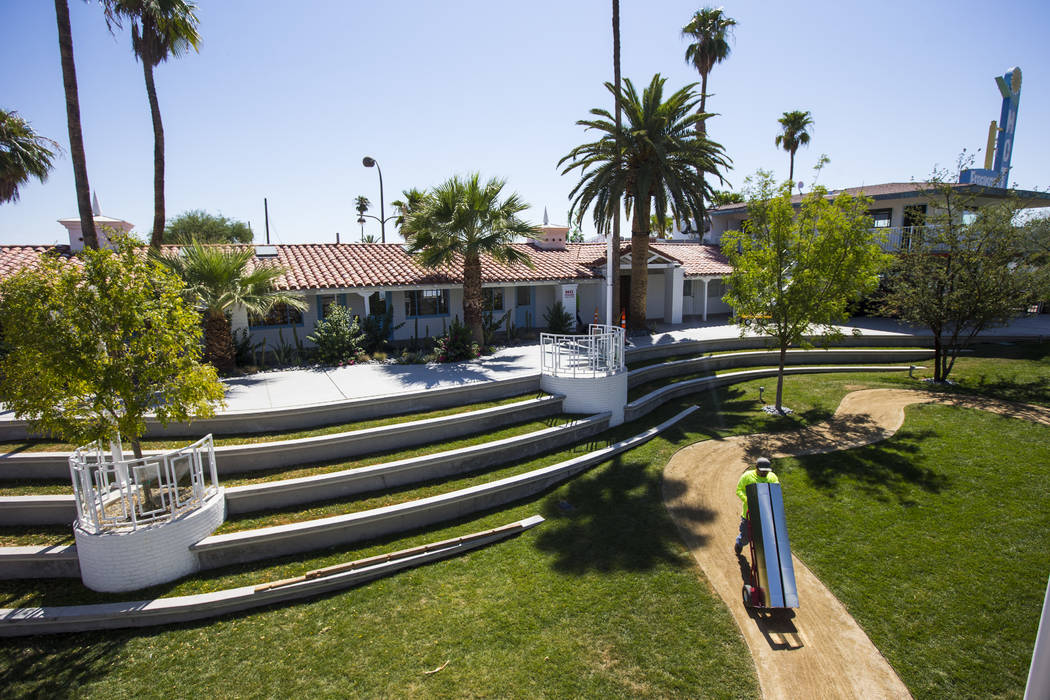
(338, 337)
(455, 344)
(559, 320)
(378, 330)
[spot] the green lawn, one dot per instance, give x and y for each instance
(936, 542)
(602, 599)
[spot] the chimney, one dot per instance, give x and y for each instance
(552, 238)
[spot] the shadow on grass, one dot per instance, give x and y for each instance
(55, 666)
(614, 520)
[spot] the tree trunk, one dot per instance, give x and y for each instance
(639, 264)
(157, 237)
(76, 136)
(938, 353)
(780, 378)
(218, 341)
(701, 129)
(614, 262)
(472, 303)
(791, 170)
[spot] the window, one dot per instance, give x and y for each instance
(493, 299)
(324, 302)
(377, 304)
(880, 217)
(279, 315)
(687, 291)
(969, 215)
(524, 296)
(426, 302)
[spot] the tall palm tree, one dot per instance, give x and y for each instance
(160, 29)
(614, 259)
(220, 278)
(658, 167)
(76, 135)
(23, 154)
(463, 219)
(710, 30)
(361, 203)
(795, 133)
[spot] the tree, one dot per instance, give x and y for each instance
(369, 238)
(964, 271)
(796, 271)
(76, 136)
(23, 154)
(218, 279)
(412, 200)
(198, 225)
(794, 127)
(160, 29)
(662, 156)
(722, 197)
(710, 29)
(361, 203)
(463, 219)
(96, 346)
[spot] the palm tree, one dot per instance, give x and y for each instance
(795, 134)
(662, 158)
(76, 136)
(361, 203)
(465, 219)
(710, 29)
(23, 154)
(369, 238)
(413, 198)
(160, 29)
(220, 278)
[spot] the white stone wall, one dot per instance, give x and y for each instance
(128, 561)
(590, 395)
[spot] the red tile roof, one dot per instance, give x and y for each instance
(339, 266)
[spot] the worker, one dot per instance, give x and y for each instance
(761, 474)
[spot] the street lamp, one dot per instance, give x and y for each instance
(369, 162)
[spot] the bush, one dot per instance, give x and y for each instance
(378, 330)
(338, 337)
(455, 345)
(559, 320)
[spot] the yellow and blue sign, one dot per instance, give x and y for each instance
(996, 173)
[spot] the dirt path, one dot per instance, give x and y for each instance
(820, 652)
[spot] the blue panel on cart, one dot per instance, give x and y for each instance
(787, 568)
(774, 589)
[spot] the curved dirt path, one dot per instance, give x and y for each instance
(819, 651)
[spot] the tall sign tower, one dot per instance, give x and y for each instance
(996, 171)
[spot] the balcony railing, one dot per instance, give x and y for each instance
(597, 354)
(899, 239)
(117, 494)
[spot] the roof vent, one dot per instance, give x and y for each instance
(266, 251)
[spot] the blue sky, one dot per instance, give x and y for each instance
(284, 103)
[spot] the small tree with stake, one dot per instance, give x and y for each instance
(99, 341)
(794, 273)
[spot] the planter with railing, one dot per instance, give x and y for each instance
(137, 518)
(587, 369)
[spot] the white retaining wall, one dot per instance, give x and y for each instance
(590, 394)
(126, 561)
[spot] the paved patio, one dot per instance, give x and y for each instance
(295, 387)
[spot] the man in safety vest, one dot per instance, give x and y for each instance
(761, 474)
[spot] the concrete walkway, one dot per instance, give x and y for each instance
(295, 387)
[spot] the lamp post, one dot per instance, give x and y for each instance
(370, 162)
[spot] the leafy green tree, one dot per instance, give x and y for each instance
(968, 269)
(100, 341)
(23, 154)
(657, 166)
(720, 198)
(710, 30)
(794, 133)
(219, 279)
(795, 272)
(76, 134)
(160, 29)
(198, 225)
(461, 220)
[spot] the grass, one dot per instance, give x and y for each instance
(602, 599)
(43, 445)
(935, 540)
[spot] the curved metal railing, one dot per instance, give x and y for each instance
(597, 354)
(117, 494)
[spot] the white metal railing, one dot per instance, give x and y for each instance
(113, 493)
(597, 354)
(899, 238)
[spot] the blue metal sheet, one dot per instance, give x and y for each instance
(772, 585)
(787, 568)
